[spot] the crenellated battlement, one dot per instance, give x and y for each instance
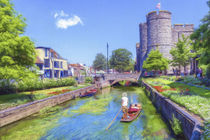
(183, 27)
(161, 14)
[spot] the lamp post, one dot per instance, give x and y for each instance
(52, 61)
(107, 66)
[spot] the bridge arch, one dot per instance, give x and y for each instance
(113, 82)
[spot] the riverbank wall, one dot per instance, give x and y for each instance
(191, 126)
(13, 114)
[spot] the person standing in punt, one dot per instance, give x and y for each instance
(124, 105)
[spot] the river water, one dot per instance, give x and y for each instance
(88, 118)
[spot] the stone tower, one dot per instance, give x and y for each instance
(158, 32)
(143, 45)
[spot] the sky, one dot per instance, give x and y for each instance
(79, 29)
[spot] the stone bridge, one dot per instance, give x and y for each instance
(116, 77)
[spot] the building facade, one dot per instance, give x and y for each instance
(50, 63)
(158, 33)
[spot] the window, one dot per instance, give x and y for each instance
(46, 63)
(56, 64)
(45, 52)
(61, 74)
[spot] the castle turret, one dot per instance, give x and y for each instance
(159, 32)
(143, 42)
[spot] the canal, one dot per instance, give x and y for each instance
(88, 118)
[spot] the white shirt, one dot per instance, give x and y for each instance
(124, 101)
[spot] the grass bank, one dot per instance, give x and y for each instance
(11, 100)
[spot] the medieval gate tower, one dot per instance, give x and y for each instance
(158, 32)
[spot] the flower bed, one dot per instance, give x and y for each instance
(194, 99)
(161, 89)
(59, 91)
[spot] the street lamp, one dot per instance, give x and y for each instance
(52, 60)
(107, 66)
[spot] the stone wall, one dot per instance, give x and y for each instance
(179, 29)
(190, 125)
(16, 113)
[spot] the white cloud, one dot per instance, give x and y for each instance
(63, 20)
(65, 23)
(60, 14)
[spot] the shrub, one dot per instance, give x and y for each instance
(166, 87)
(206, 132)
(7, 86)
(180, 79)
(206, 81)
(176, 125)
(169, 93)
(192, 80)
(208, 72)
(88, 80)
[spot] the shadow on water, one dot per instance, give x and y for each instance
(87, 119)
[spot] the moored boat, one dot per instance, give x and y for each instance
(133, 112)
(89, 93)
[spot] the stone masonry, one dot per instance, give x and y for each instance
(159, 33)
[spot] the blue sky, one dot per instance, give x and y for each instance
(79, 29)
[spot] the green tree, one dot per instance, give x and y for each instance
(155, 61)
(130, 66)
(121, 60)
(100, 62)
(181, 53)
(17, 53)
(201, 41)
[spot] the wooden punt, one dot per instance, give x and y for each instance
(133, 112)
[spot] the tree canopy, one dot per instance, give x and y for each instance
(121, 60)
(201, 41)
(17, 52)
(181, 53)
(100, 62)
(155, 61)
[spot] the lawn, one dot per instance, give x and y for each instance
(11, 100)
(194, 99)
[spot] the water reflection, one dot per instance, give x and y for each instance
(65, 123)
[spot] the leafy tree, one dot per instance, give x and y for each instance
(130, 66)
(155, 61)
(100, 62)
(17, 53)
(181, 53)
(121, 60)
(201, 41)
